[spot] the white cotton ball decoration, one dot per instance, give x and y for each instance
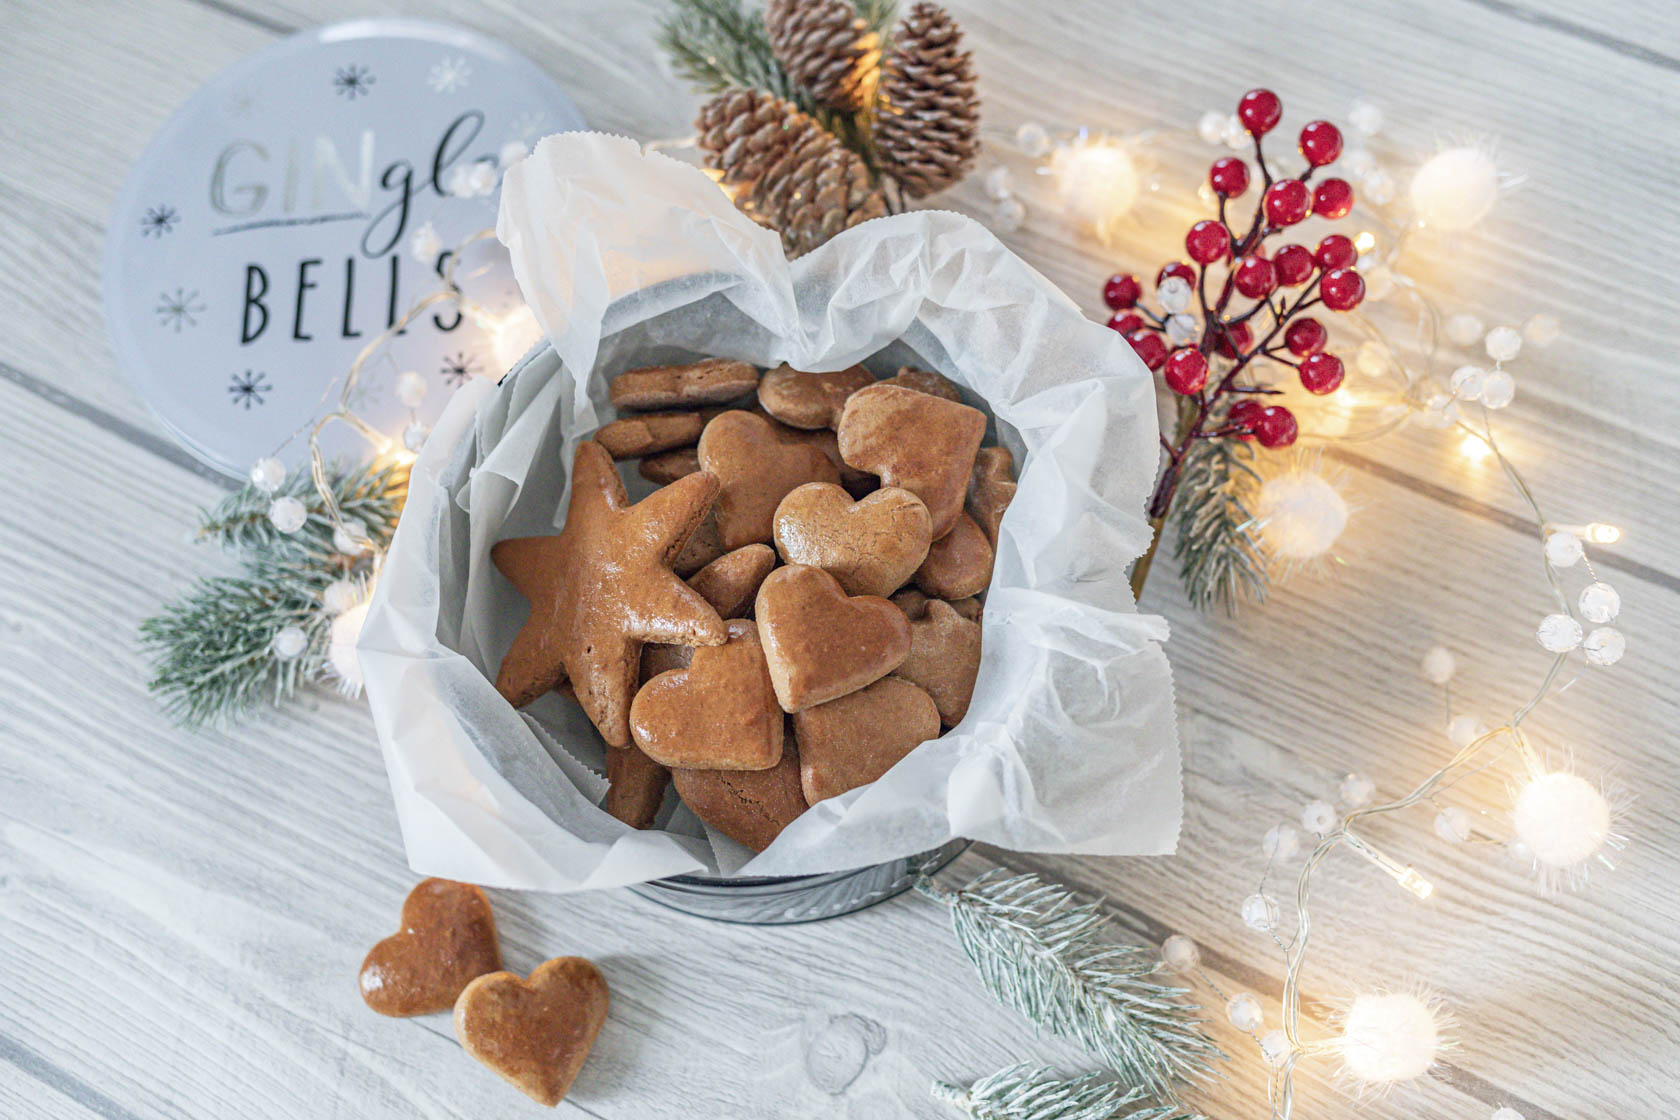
(1211, 126)
(1604, 646)
(1366, 118)
(511, 153)
(1274, 1047)
(1260, 913)
(1280, 842)
(268, 474)
(1357, 791)
(1562, 820)
(1558, 633)
(1235, 136)
(1467, 382)
(1498, 389)
(1503, 343)
(1455, 189)
(1563, 549)
(1033, 140)
(1245, 1012)
(289, 642)
(1464, 730)
(1173, 293)
(411, 388)
(1301, 514)
(1318, 817)
(1599, 602)
(1452, 824)
(1008, 215)
(1181, 329)
(1388, 1038)
(1463, 329)
(347, 537)
(997, 183)
(1096, 181)
(341, 649)
(1542, 330)
(287, 514)
(340, 595)
(425, 245)
(1179, 953)
(1439, 665)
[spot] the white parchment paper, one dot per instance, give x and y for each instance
(631, 258)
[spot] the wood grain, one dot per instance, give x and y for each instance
(183, 912)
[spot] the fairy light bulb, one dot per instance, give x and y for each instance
(1180, 954)
(1301, 514)
(1388, 1038)
(1439, 665)
(268, 474)
(1600, 533)
(1562, 819)
(1274, 1047)
(1455, 188)
(1244, 1012)
(1097, 182)
(1260, 913)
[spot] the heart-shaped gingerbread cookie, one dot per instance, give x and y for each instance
(750, 807)
(852, 741)
(534, 1032)
(448, 937)
(959, 564)
(944, 659)
(809, 400)
(730, 583)
(922, 443)
(925, 381)
(914, 604)
(756, 466)
(818, 643)
(871, 546)
(990, 489)
(720, 713)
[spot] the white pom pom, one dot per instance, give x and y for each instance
(1439, 665)
(1599, 602)
(1388, 1038)
(1179, 953)
(1366, 118)
(287, 514)
(347, 537)
(1563, 549)
(1464, 329)
(340, 595)
(1503, 343)
(268, 474)
(1542, 330)
(1318, 817)
(1245, 1012)
(1455, 189)
(1562, 819)
(1464, 730)
(1357, 791)
(1034, 140)
(289, 642)
(1211, 126)
(1301, 514)
(341, 649)
(1558, 633)
(1280, 842)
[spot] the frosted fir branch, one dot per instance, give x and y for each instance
(1219, 556)
(1027, 1092)
(1041, 951)
(370, 494)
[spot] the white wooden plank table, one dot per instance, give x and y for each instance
(182, 914)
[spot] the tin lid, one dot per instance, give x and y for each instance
(298, 204)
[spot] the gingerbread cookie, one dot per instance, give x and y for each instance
(991, 487)
(635, 436)
(818, 643)
(857, 483)
(925, 381)
(809, 400)
(535, 1033)
(448, 937)
(871, 546)
(914, 604)
(750, 807)
(713, 381)
(602, 588)
(922, 443)
(719, 713)
(668, 466)
(959, 564)
(730, 583)
(756, 466)
(852, 741)
(944, 659)
(635, 783)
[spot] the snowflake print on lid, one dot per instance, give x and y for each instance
(246, 389)
(179, 308)
(457, 368)
(353, 81)
(158, 221)
(449, 75)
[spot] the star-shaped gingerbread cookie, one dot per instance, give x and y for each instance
(602, 588)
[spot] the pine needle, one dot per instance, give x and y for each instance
(1049, 956)
(1027, 1092)
(1219, 557)
(716, 44)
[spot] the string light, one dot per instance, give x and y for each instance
(1097, 181)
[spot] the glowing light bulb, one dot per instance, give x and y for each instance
(1389, 1038)
(1097, 182)
(1600, 533)
(1365, 241)
(1562, 819)
(1474, 448)
(1455, 188)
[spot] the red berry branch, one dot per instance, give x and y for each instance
(1210, 361)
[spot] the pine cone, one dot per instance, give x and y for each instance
(927, 127)
(789, 173)
(826, 47)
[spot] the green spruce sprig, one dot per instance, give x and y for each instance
(1041, 951)
(1219, 556)
(1028, 1092)
(212, 649)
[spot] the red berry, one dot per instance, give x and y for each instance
(1125, 321)
(1332, 198)
(1243, 414)
(1259, 111)
(1241, 338)
(1256, 277)
(1275, 426)
(1342, 289)
(1321, 143)
(1336, 251)
(1207, 241)
(1287, 202)
(1305, 336)
(1149, 347)
(1228, 176)
(1176, 268)
(1321, 373)
(1186, 371)
(1122, 290)
(1294, 265)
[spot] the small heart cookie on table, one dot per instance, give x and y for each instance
(718, 713)
(535, 1032)
(852, 741)
(448, 938)
(920, 443)
(959, 564)
(751, 807)
(820, 643)
(809, 400)
(756, 465)
(872, 546)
